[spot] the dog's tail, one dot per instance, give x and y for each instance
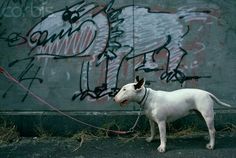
(218, 101)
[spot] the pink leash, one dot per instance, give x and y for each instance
(11, 78)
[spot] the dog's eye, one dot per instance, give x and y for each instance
(124, 89)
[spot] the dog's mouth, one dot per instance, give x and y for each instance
(124, 102)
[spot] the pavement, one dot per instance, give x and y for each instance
(191, 146)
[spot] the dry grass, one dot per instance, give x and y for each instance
(171, 132)
(42, 133)
(229, 128)
(185, 131)
(8, 133)
(82, 137)
(106, 134)
(132, 137)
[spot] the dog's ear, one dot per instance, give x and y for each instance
(139, 84)
(136, 79)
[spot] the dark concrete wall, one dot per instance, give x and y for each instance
(77, 55)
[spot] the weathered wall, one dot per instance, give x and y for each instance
(76, 55)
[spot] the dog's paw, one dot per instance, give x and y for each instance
(149, 139)
(161, 149)
(210, 146)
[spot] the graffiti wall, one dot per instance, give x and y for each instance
(77, 54)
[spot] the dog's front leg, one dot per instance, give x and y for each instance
(152, 130)
(162, 131)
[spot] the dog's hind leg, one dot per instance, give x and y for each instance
(209, 118)
(152, 130)
(211, 128)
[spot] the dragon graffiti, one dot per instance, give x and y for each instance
(108, 37)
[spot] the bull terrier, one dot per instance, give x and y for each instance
(162, 106)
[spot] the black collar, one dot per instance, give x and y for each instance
(143, 97)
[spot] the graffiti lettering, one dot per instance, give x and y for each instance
(22, 77)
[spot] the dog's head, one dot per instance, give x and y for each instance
(130, 92)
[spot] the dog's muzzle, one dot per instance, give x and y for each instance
(122, 102)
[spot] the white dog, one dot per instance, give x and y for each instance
(161, 107)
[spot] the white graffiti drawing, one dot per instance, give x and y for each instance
(114, 36)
